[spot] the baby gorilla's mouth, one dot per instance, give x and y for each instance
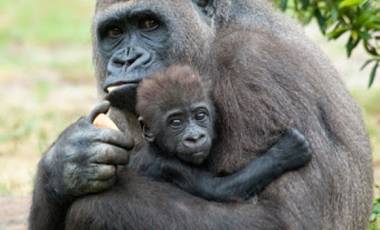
(194, 158)
(198, 154)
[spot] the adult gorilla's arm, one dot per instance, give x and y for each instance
(80, 162)
(47, 212)
(140, 203)
(137, 202)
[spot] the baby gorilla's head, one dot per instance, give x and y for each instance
(176, 113)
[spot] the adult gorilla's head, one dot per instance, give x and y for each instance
(134, 39)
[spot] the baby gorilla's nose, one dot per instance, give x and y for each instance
(195, 140)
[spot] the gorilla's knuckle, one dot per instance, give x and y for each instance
(76, 138)
(82, 120)
(107, 171)
(107, 152)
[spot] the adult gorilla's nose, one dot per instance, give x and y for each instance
(130, 58)
(127, 66)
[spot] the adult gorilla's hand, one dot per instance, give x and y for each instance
(83, 160)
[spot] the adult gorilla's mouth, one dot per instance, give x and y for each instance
(121, 89)
(123, 96)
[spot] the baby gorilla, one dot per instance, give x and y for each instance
(177, 117)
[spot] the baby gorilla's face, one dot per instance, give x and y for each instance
(187, 132)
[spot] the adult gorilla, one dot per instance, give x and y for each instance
(270, 77)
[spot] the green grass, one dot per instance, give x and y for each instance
(46, 82)
(40, 36)
(36, 21)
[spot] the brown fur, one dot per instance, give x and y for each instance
(266, 76)
(156, 93)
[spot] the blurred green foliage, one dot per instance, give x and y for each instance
(360, 19)
(375, 215)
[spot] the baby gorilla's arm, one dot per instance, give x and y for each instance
(289, 153)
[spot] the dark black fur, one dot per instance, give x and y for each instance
(266, 76)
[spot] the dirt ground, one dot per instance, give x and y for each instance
(14, 212)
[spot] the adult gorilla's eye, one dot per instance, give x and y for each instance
(201, 116)
(114, 32)
(148, 24)
(175, 123)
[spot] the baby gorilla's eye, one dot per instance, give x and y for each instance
(202, 3)
(201, 116)
(148, 24)
(175, 123)
(114, 32)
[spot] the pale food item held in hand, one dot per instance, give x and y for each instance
(103, 121)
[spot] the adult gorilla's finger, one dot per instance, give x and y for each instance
(115, 137)
(101, 172)
(109, 154)
(95, 186)
(102, 107)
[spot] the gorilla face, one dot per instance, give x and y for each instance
(134, 39)
(134, 45)
(187, 132)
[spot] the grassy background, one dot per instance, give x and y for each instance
(46, 82)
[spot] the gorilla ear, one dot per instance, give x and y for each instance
(147, 133)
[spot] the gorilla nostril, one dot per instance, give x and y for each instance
(131, 61)
(147, 61)
(118, 62)
(190, 140)
(200, 138)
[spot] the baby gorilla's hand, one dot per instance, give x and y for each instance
(292, 151)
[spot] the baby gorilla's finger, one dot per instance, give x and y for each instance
(100, 108)
(114, 137)
(299, 140)
(102, 172)
(109, 154)
(297, 135)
